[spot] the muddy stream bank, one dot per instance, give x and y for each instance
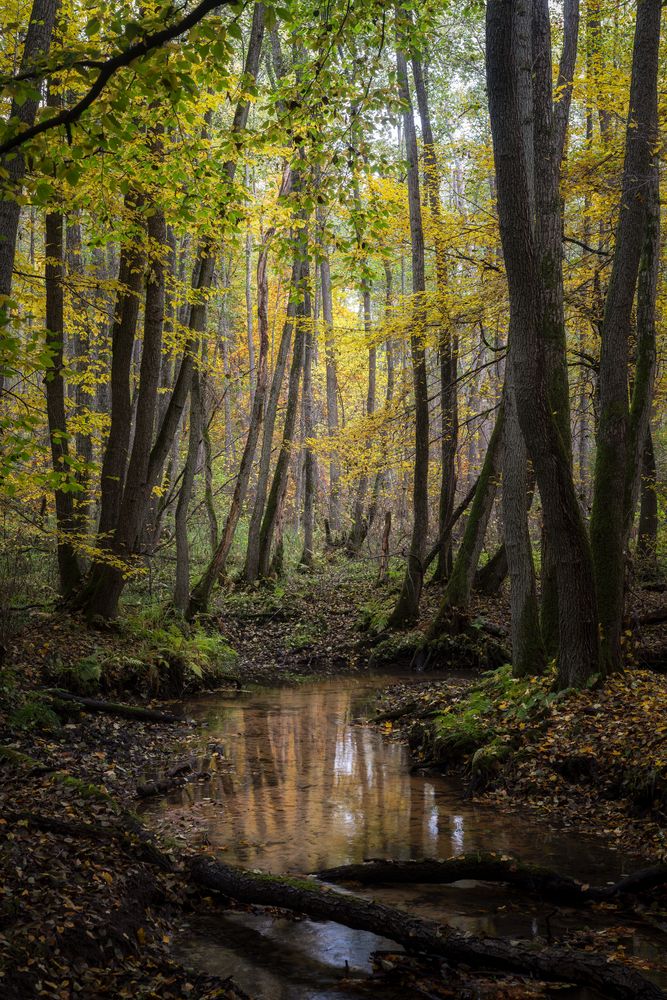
(299, 785)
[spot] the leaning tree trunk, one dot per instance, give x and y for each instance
(407, 606)
(609, 516)
(459, 587)
(106, 581)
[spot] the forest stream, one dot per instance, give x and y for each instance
(305, 785)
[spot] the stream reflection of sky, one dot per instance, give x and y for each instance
(304, 788)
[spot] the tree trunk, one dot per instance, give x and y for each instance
(609, 516)
(383, 568)
(310, 460)
(182, 583)
(528, 655)
(647, 536)
(36, 47)
(459, 586)
(415, 934)
(332, 390)
(68, 565)
(276, 495)
(252, 562)
(510, 85)
(447, 346)
(202, 591)
(407, 606)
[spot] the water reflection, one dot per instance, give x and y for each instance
(303, 788)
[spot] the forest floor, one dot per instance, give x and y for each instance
(86, 912)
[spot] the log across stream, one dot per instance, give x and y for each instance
(303, 788)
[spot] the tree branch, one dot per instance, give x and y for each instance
(153, 41)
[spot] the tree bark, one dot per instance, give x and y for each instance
(415, 934)
(609, 516)
(68, 564)
(510, 85)
(407, 606)
(36, 47)
(252, 562)
(447, 343)
(202, 591)
(490, 867)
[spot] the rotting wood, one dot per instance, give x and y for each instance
(563, 965)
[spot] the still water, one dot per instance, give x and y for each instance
(302, 786)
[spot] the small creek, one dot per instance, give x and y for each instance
(303, 787)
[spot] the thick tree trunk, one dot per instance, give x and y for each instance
(510, 86)
(407, 606)
(609, 516)
(415, 934)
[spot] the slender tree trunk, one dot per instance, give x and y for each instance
(276, 495)
(36, 47)
(528, 655)
(310, 460)
(447, 345)
(614, 454)
(248, 300)
(459, 585)
(68, 566)
(647, 540)
(182, 584)
(407, 606)
(332, 392)
(252, 563)
(201, 593)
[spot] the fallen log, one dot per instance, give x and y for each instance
(562, 965)
(490, 867)
(135, 712)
